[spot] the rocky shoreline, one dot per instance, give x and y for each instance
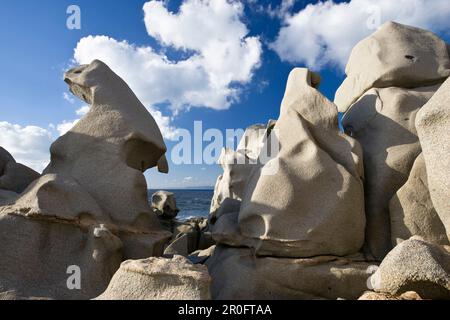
(361, 214)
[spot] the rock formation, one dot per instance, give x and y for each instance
(369, 295)
(159, 279)
(395, 55)
(14, 177)
(239, 275)
(237, 166)
(89, 210)
(390, 76)
(433, 126)
(415, 265)
(164, 205)
(124, 140)
(304, 207)
(308, 220)
(412, 212)
(188, 236)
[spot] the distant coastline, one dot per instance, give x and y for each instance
(202, 188)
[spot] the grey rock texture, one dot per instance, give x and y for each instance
(159, 279)
(412, 212)
(415, 265)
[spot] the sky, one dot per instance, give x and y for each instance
(224, 63)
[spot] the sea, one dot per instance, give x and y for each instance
(191, 202)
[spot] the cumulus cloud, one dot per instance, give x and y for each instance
(68, 98)
(29, 145)
(220, 57)
(324, 33)
(65, 126)
(83, 110)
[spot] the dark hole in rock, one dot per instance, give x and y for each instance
(410, 57)
(348, 131)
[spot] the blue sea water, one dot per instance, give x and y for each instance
(191, 202)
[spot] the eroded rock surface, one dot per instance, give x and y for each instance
(159, 279)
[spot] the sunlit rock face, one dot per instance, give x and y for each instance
(303, 201)
(391, 75)
(89, 209)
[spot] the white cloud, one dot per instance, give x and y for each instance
(68, 98)
(221, 55)
(65, 126)
(29, 145)
(325, 33)
(280, 11)
(83, 110)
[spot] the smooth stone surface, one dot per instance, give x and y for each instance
(412, 212)
(304, 201)
(433, 127)
(415, 265)
(395, 55)
(383, 121)
(239, 275)
(14, 176)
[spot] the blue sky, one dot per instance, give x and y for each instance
(265, 40)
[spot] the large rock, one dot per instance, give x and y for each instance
(412, 212)
(53, 226)
(237, 166)
(369, 295)
(231, 183)
(308, 197)
(383, 121)
(164, 205)
(108, 150)
(14, 176)
(254, 138)
(188, 236)
(415, 265)
(395, 55)
(433, 126)
(7, 197)
(159, 279)
(89, 210)
(239, 275)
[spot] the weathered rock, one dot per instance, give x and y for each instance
(108, 150)
(239, 275)
(7, 197)
(415, 265)
(56, 197)
(180, 246)
(43, 255)
(370, 295)
(188, 236)
(237, 166)
(230, 185)
(159, 279)
(304, 201)
(383, 121)
(14, 176)
(254, 138)
(433, 126)
(164, 205)
(412, 212)
(67, 228)
(5, 158)
(395, 55)
(200, 256)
